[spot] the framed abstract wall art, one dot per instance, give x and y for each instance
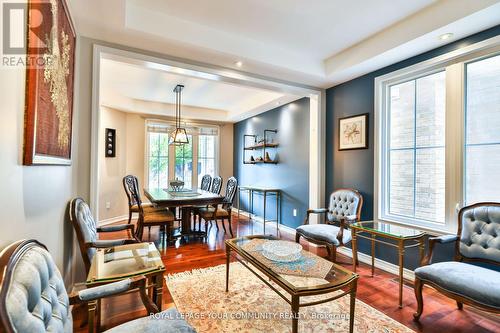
(48, 118)
(353, 132)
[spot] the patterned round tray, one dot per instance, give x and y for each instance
(281, 251)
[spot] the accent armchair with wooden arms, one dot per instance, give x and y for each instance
(344, 208)
(87, 231)
(477, 240)
(33, 297)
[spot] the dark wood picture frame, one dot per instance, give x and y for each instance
(110, 142)
(363, 132)
(48, 118)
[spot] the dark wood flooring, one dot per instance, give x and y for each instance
(381, 291)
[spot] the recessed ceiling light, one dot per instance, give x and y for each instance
(446, 36)
(238, 64)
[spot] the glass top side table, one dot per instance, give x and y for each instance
(124, 261)
(402, 238)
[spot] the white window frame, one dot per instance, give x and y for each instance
(171, 151)
(454, 64)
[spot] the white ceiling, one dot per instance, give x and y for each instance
(139, 89)
(319, 43)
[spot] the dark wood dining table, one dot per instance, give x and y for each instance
(185, 199)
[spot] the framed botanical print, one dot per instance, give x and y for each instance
(48, 117)
(353, 132)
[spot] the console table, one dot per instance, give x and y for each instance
(265, 191)
(404, 237)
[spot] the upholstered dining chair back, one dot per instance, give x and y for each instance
(130, 183)
(345, 203)
(205, 182)
(85, 227)
(231, 187)
(216, 185)
(479, 231)
(33, 297)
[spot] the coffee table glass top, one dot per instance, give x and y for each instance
(308, 273)
(389, 229)
(124, 261)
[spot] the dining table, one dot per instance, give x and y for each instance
(185, 199)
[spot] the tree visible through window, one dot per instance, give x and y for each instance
(184, 162)
(158, 160)
(206, 156)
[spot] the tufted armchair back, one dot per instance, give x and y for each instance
(479, 232)
(85, 228)
(32, 293)
(345, 203)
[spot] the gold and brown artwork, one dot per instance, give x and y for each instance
(353, 132)
(49, 84)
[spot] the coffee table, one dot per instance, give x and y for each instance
(124, 261)
(337, 278)
(404, 237)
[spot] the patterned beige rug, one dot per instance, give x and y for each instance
(251, 306)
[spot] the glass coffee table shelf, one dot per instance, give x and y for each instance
(401, 237)
(318, 277)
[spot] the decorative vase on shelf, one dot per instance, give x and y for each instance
(267, 158)
(252, 159)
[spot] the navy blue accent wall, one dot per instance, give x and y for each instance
(354, 168)
(291, 175)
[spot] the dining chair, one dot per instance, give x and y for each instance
(130, 182)
(163, 218)
(344, 209)
(33, 297)
(215, 187)
(87, 231)
(222, 211)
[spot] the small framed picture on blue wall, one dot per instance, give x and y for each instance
(353, 132)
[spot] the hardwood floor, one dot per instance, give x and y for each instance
(381, 291)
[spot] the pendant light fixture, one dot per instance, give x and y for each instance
(179, 136)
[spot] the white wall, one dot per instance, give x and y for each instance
(33, 198)
(129, 159)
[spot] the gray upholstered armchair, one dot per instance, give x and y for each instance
(87, 231)
(33, 297)
(477, 240)
(344, 208)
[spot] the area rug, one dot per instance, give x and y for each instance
(251, 306)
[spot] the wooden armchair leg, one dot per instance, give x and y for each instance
(420, 300)
(297, 237)
(460, 305)
(334, 253)
(129, 217)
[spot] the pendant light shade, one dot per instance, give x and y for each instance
(179, 135)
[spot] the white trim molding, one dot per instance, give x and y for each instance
(114, 220)
(214, 73)
(453, 63)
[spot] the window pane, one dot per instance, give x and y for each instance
(401, 182)
(431, 104)
(402, 115)
(483, 101)
(158, 160)
(483, 176)
(482, 154)
(430, 184)
(416, 179)
(184, 162)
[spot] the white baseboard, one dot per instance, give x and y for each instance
(362, 257)
(113, 220)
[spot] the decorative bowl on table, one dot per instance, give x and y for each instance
(281, 251)
(176, 185)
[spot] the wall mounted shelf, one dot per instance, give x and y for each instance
(262, 145)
